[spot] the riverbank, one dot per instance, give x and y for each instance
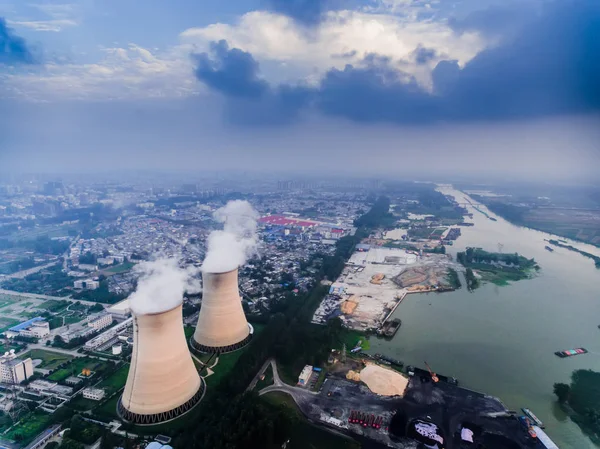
(502, 340)
(496, 267)
(596, 259)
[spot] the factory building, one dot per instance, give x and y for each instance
(36, 327)
(120, 311)
(100, 321)
(86, 284)
(14, 370)
(163, 382)
(107, 335)
(222, 325)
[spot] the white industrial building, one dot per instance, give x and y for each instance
(120, 310)
(86, 284)
(100, 321)
(95, 394)
(36, 327)
(14, 370)
(305, 375)
(108, 335)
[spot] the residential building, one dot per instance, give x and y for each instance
(14, 370)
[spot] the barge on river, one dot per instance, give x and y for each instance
(571, 352)
(390, 328)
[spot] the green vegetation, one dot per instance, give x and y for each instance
(351, 338)
(379, 215)
(596, 259)
(115, 381)
(453, 278)
(268, 380)
(17, 265)
(50, 360)
(76, 366)
(50, 281)
(224, 367)
(54, 305)
(7, 323)
(499, 268)
(101, 294)
(432, 202)
(122, 268)
(472, 280)
(582, 397)
(29, 427)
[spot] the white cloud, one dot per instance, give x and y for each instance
(123, 72)
(45, 25)
(345, 37)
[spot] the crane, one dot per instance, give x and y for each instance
(433, 375)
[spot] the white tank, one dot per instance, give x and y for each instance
(163, 382)
(222, 325)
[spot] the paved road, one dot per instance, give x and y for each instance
(25, 273)
(261, 371)
(45, 297)
(297, 393)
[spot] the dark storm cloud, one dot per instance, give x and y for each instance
(307, 12)
(423, 55)
(230, 71)
(13, 49)
(551, 67)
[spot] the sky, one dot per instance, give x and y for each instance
(390, 87)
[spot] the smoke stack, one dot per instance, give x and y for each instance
(163, 382)
(222, 325)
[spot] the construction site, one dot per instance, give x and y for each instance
(376, 280)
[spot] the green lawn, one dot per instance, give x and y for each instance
(304, 434)
(189, 331)
(50, 360)
(30, 426)
(4, 304)
(115, 381)
(7, 323)
(76, 366)
(109, 408)
(225, 365)
(54, 305)
(351, 338)
(83, 404)
(120, 268)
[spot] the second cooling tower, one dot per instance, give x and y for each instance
(222, 325)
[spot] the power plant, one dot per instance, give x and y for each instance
(163, 382)
(222, 325)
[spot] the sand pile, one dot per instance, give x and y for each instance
(349, 305)
(383, 381)
(353, 375)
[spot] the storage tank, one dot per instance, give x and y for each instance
(222, 325)
(163, 382)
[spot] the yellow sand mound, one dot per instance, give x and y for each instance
(384, 381)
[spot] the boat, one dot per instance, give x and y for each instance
(390, 328)
(534, 418)
(571, 352)
(549, 248)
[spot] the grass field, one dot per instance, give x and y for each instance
(225, 365)
(304, 434)
(50, 360)
(4, 304)
(115, 381)
(75, 367)
(30, 426)
(189, 331)
(83, 404)
(120, 268)
(351, 339)
(7, 323)
(54, 305)
(109, 408)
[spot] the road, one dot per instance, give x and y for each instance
(25, 273)
(45, 297)
(298, 394)
(261, 371)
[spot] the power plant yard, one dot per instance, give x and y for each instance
(374, 282)
(352, 408)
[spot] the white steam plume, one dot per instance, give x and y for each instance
(229, 248)
(161, 286)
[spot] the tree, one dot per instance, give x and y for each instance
(562, 391)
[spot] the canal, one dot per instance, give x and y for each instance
(501, 340)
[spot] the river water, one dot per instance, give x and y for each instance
(501, 340)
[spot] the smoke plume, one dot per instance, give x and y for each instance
(229, 248)
(161, 286)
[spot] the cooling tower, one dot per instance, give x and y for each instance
(222, 325)
(163, 382)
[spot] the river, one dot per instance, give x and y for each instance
(501, 340)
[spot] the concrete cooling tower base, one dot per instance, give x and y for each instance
(198, 347)
(162, 417)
